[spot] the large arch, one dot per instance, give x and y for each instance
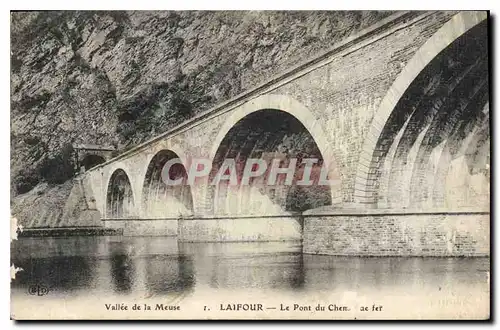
(119, 196)
(160, 200)
(437, 98)
(270, 127)
(286, 104)
(472, 150)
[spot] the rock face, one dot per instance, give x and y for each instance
(119, 78)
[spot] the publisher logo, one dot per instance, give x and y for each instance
(38, 290)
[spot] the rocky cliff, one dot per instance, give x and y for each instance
(119, 78)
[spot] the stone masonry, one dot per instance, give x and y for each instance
(343, 98)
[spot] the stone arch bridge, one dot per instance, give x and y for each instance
(398, 113)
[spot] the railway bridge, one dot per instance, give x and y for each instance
(399, 116)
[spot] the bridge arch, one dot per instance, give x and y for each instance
(120, 202)
(160, 200)
(286, 104)
(438, 96)
(267, 127)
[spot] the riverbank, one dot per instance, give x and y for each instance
(69, 231)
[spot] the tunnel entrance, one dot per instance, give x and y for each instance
(119, 199)
(434, 149)
(269, 135)
(91, 160)
(161, 200)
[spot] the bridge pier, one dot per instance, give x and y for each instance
(240, 229)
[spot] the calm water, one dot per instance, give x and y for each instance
(161, 266)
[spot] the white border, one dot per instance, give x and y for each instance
(493, 5)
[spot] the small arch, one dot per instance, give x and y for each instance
(160, 200)
(119, 196)
(371, 158)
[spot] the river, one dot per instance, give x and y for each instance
(118, 267)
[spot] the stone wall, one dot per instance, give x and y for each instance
(278, 228)
(144, 227)
(403, 234)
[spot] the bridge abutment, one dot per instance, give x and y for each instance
(397, 233)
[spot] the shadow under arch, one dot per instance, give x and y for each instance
(119, 196)
(160, 200)
(439, 95)
(290, 106)
(268, 135)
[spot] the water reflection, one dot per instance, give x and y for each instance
(169, 274)
(53, 272)
(160, 266)
(246, 265)
(122, 270)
